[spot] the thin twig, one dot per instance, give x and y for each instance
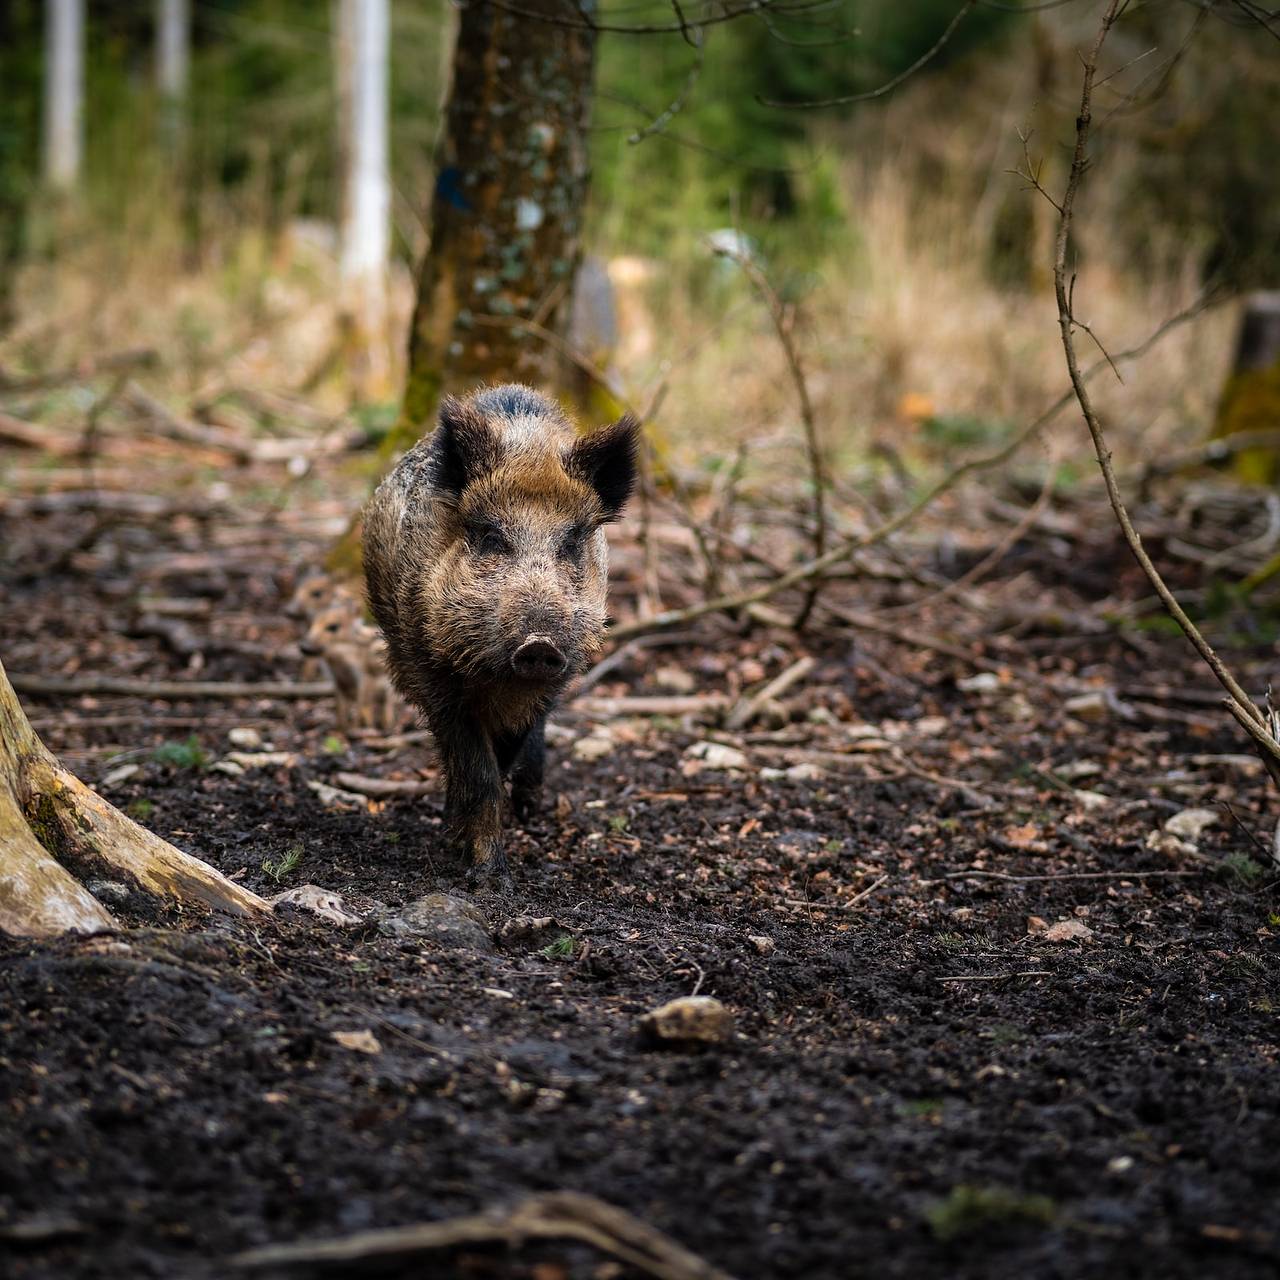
(783, 324)
(1240, 705)
(804, 572)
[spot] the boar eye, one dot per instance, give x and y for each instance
(488, 541)
(573, 544)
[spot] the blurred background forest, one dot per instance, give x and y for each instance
(201, 221)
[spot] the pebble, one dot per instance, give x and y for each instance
(712, 755)
(689, 1020)
(1191, 824)
(595, 746)
(119, 774)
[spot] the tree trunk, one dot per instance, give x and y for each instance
(1251, 397)
(361, 57)
(506, 217)
(54, 829)
(173, 63)
(64, 93)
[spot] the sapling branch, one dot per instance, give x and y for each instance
(1240, 705)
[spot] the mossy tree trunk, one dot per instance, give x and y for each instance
(54, 830)
(1251, 397)
(506, 217)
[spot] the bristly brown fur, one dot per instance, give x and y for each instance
(482, 546)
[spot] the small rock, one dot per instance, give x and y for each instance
(245, 738)
(804, 772)
(452, 922)
(261, 759)
(1068, 931)
(983, 682)
(1076, 769)
(1191, 824)
(595, 746)
(1167, 843)
(762, 943)
(930, 726)
(1097, 704)
(1092, 801)
(674, 680)
(1036, 924)
(712, 755)
(689, 1020)
(321, 902)
(119, 774)
(1017, 707)
(361, 1041)
(229, 767)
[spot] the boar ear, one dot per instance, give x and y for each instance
(606, 460)
(465, 448)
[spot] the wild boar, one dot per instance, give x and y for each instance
(487, 567)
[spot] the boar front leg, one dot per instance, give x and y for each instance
(473, 798)
(528, 769)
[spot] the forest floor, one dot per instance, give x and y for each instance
(991, 1017)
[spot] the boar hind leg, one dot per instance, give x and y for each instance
(473, 799)
(527, 770)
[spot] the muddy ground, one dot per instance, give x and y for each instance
(921, 1082)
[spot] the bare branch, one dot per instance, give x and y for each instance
(889, 85)
(803, 573)
(783, 325)
(1241, 706)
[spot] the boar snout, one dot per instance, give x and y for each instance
(310, 648)
(538, 658)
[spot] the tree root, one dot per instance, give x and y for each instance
(557, 1215)
(53, 828)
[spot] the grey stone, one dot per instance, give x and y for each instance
(443, 918)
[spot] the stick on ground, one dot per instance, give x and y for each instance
(558, 1215)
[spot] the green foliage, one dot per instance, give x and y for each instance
(1214, 117)
(181, 755)
(285, 864)
(971, 1210)
(1242, 867)
(560, 948)
(959, 430)
(728, 156)
(922, 1107)
(140, 809)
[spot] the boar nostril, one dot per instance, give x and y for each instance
(538, 659)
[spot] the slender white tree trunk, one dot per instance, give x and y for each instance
(173, 61)
(63, 92)
(361, 63)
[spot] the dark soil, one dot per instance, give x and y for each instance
(920, 1085)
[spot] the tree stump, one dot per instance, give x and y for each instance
(1251, 397)
(54, 829)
